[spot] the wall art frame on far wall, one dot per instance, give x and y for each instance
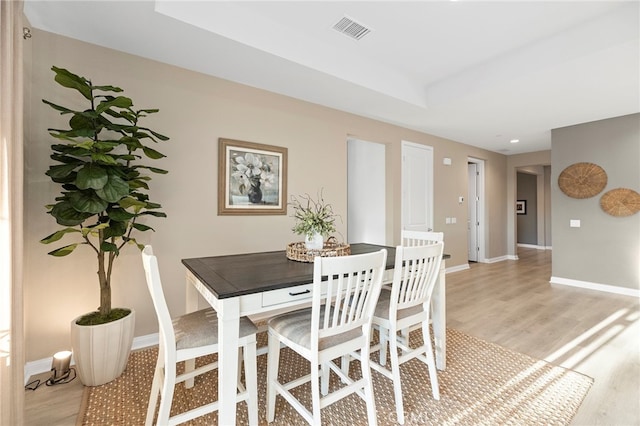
(252, 178)
(521, 207)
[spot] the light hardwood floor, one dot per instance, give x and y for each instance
(510, 303)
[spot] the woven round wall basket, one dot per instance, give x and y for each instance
(582, 180)
(620, 202)
(298, 251)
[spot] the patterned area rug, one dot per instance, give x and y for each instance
(484, 384)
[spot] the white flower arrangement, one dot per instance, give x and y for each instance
(251, 170)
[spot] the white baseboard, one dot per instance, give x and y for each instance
(534, 246)
(501, 259)
(456, 268)
(596, 286)
(33, 368)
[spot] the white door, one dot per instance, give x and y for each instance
(472, 223)
(417, 187)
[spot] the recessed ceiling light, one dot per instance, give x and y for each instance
(514, 140)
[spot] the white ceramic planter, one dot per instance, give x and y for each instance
(101, 351)
(314, 243)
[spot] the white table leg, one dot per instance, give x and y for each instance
(228, 336)
(439, 318)
(191, 295)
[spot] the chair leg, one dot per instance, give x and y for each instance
(404, 337)
(431, 364)
(155, 391)
(273, 358)
(251, 380)
(368, 388)
(384, 338)
(315, 393)
(395, 371)
(189, 365)
(166, 396)
(324, 379)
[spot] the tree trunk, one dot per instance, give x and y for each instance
(103, 278)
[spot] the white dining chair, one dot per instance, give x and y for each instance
(419, 238)
(412, 239)
(407, 304)
(345, 291)
(185, 338)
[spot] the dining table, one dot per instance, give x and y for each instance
(255, 284)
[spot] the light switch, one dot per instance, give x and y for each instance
(447, 220)
(574, 223)
(453, 220)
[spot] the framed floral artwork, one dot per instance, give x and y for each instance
(252, 178)
(521, 207)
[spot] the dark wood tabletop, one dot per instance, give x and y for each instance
(241, 274)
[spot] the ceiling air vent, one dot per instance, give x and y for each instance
(353, 29)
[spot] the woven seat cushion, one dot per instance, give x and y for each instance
(296, 326)
(382, 308)
(200, 328)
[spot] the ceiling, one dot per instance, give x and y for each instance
(481, 73)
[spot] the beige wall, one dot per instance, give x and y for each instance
(196, 110)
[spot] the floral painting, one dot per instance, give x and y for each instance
(252, 178)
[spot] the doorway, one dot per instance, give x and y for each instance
(366, 192)
(476, 207)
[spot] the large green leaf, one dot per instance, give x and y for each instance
(154, 213)
(82, 122)
(115, 229)
(103, 158)
(128, 202)
(107, 88)
(120, 215)
(87, 202)
(57, 235)
(92, 176)
(66, 215)
(114, 190)
(62, 109)
(72, 81)
(152, 153)
(106, 146)
(94, 230)
(142, 228)
(63, 251)
(61, 158)
(152, 169)
(107, 246)
(61, 171)
(118, 101)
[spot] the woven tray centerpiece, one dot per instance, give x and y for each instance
(332, 248)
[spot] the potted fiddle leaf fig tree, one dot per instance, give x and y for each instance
(102, 204)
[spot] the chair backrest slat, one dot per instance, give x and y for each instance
(415, 275)
(419, 238)
(353, 285)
